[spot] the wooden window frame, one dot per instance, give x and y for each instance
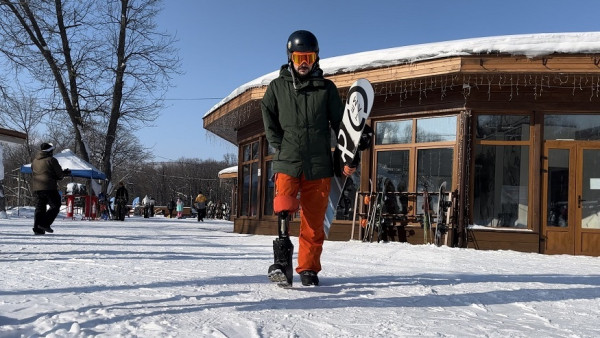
(530, 170)
(413, 148)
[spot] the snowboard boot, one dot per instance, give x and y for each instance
(281, 271)
(45, 228)
(309, 278)
(38, 231)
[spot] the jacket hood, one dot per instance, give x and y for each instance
(43, 154)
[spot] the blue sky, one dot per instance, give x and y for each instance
(225, 43)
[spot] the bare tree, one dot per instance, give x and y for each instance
(21, 111)
(230, 159)
(102, 64)
(182, 178)
(17, 186)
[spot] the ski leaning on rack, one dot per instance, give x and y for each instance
(426, 217)
(441, 228)
(357, 110)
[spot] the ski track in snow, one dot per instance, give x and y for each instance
(164, 277)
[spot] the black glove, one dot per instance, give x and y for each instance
(67, 172)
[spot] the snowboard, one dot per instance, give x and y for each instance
(356, 111)
(374, 218)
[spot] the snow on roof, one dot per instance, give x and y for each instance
(229, 170)
(530, 45)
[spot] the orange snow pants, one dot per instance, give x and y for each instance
(314, 196)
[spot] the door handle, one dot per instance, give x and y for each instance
(579, 200)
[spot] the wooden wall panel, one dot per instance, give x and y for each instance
(590, 243)
(522, 64)
(399, 72)
(251, 130)
(504, 240)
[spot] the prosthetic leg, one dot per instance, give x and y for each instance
(281, 271)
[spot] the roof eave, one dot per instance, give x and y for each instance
(12, 136)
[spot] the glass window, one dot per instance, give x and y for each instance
(558, 187)
(590, 194)
(245, 189)
(393, 132)
(392, 170)
(400, 168)
(254, 192)
(503, 127)
(250, 179)
(269, 189)
(434, 166)
(437, 129)
(392, 176)
(255, 150)
(572, 127)
(501, 186)
(246, 151)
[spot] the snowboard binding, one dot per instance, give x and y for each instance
(281, 271)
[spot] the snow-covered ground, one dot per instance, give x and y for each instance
(164, 277)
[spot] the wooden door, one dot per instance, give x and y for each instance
(571, 198)
(558, 231)
(587, 217)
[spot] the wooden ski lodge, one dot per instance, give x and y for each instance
(510, 123)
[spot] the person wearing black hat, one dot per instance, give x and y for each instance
(46, 174)
(299, 109)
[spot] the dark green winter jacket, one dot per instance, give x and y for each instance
(46, 172)
(297, 123)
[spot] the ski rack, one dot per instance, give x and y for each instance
(406, 218)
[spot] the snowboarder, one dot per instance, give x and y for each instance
(46, 174)
(299, 108)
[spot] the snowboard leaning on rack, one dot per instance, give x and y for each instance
(357, 110)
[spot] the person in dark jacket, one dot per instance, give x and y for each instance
(171, 207)
(299, 109)
(121, 199)
(46, 174)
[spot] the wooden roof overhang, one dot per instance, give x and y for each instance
(12, 136)
(228, 175)
(244, 109)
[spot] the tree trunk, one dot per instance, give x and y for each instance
(117, 96)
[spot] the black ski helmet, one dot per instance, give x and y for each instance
(302, 41)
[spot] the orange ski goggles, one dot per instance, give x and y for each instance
(299, 58)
